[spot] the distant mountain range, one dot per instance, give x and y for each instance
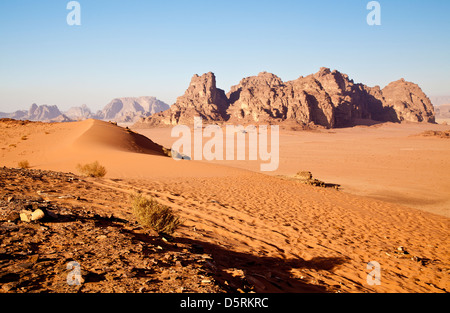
(122, 110)
(440, 100)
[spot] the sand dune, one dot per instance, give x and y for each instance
(280, 235)
(99, 135)
(61, 147)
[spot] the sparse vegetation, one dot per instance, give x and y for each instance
(92, 169)
(24, 164)
(150, 213)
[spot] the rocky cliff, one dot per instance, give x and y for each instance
(202, 98)
(409, 102)
(326, 98)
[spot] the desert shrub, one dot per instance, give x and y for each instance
(24, 164)
(92, 169)
(150, 213)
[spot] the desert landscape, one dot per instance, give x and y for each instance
(243, 230)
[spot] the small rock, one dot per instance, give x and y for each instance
(10, 199)
(25, 216)
(37, 215)
(101, 237)
(402, 249)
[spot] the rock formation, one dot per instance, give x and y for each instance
(202, 98)
(43, 113)
(409, 102)
(79, 113)
(327, 98)
(130, 109)
(118, 110)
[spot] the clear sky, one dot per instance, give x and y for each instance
(153, 48)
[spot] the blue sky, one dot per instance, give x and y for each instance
(153, 48)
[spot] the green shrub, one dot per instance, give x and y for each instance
(150, 213)
(92, 170)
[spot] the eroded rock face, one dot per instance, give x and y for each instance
(409, 102)
(202, 98)
(326, 98)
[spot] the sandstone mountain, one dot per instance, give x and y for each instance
(409, 102)
(327, 98)
(79, 113)
(118, 110)
(129, 109)
(43, 113)
(202, 98)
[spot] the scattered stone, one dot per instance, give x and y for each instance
(34, 257)
(25, 216)
(402, 249)
(37, 215)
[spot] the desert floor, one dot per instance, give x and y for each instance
(277, 234)
(389, 162)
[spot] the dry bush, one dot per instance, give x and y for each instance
(24, 164)
(150, 213)
(92, 169)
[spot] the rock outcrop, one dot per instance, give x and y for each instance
(327, 98)
(409, 102)
(202, 98)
